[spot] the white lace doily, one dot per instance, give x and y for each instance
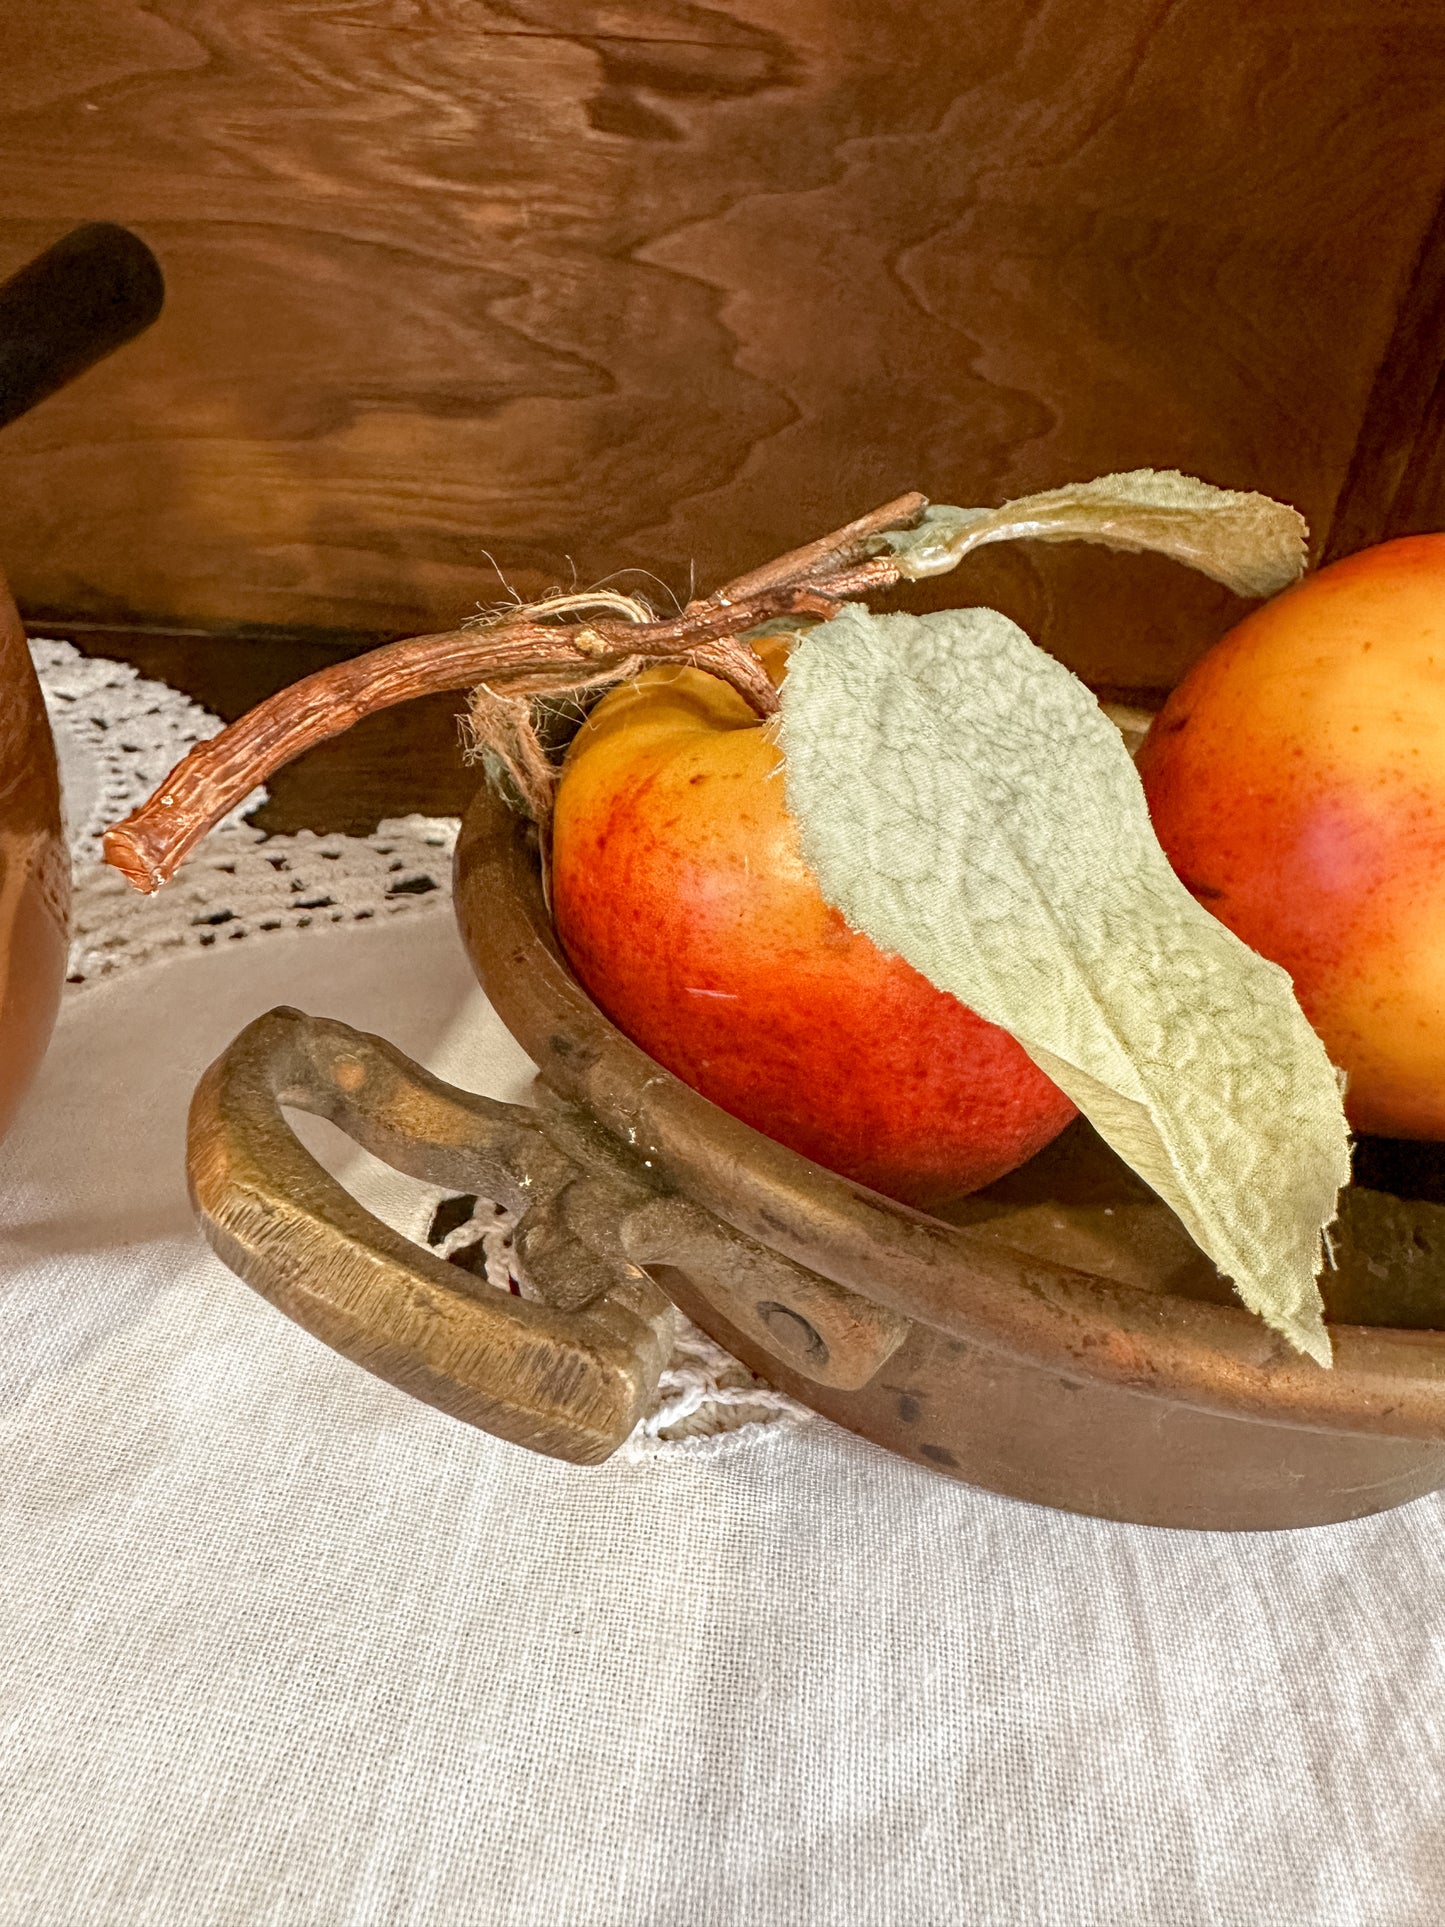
(116, 735)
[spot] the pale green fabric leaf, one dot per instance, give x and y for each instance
(963, 800)
(1251, 543)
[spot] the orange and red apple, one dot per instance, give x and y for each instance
(683, 903)
(1296, 779)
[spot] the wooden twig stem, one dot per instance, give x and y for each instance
(830, 553)
(513, 657)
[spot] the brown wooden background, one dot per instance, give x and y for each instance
(586, 285)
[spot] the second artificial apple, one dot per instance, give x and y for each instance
(1296, 779)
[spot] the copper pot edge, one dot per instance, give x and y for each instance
(1213, 1357)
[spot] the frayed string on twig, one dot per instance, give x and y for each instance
(499, 726)
(562, 645)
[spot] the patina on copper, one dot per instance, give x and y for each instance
(1060, 1340)
(1092, 1362)
(34, 869)
(569, 1373)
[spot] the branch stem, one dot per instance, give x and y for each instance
(505, 655)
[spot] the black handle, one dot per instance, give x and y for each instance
(97, 288)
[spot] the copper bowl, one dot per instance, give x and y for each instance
(34, 869)
(1060, 1340)
(96, 289)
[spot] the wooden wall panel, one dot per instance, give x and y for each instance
(580, 286)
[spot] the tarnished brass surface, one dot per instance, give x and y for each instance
(569, 1375)
(995, 1282)
(34, 869)
(1060, 1340)
(1085, 1445)
(1067, 1344)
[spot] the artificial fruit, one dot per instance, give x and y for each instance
(1296, 780)
(684, 905)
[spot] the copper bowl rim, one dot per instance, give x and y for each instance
(972, 1287)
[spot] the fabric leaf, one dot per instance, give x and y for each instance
(963, 800)
(1251, 543)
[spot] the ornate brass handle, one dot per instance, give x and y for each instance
(569, 1375)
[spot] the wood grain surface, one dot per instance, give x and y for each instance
(1396, 479)
(463, 290)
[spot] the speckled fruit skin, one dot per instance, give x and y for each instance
(1296, 779)
(683, 904)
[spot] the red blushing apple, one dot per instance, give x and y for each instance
(684, 905)
(1296, 779)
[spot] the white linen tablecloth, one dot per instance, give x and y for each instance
(279, 1645)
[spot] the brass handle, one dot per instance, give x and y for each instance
(569, 1376)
